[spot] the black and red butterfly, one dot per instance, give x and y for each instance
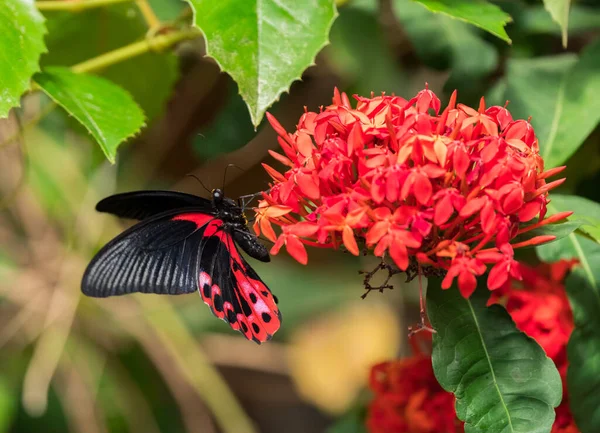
(186, 243)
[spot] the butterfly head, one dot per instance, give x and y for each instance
(217, 196)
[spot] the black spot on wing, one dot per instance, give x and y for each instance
(266, 317)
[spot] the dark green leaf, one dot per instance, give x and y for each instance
(107, 29)
(559, 11)
(480, 13)
(106, 110)
(264, 46)
(560, 93)
(21, 44)
(352, 54)
(230, 130)
(502, 379)
(442, 41)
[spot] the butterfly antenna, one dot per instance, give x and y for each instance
(201, 183)
(225, 174)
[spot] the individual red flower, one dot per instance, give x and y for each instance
(447, 190)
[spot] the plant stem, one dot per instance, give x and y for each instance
(195, 366)
(74, 5)
(154, 43)
(149, 16)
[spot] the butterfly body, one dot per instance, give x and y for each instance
(184, 244)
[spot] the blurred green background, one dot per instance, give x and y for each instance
(151, 364)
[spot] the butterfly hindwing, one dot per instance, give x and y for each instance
(231, 288)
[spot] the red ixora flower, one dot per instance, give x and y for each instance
(421, 187)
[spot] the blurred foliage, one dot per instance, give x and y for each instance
(138, 365)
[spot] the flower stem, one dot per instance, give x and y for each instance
(74, 5)
(154, 43)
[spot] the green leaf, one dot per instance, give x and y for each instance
(560, 230)
(107, 29)
(21, 44)
(559, 11)
(442, 41)
(480, 13)
(264, 45)
(583, 289)
(352, 54)
(586, 211)
(502, 379)
(220, 137)
(560, 93)
(107, 111)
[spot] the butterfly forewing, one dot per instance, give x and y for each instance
(158, 255)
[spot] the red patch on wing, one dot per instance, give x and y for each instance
(265, 318)
(200, 219)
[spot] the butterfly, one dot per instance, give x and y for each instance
(182, 244)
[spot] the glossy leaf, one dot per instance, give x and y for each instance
(560, 93)
(107, 111)
(264, 45)
(583, 289)
(445, 43)
(480, 13)
(586, 211)
(502, 379)
(560, 229)
(21, 44)
(559, 11)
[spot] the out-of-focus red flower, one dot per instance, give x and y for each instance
(408, 399)
(407, 181)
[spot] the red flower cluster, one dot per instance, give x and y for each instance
(408, 399)
(400, 178)
(540, 308)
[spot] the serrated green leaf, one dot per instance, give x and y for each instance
(352, 54)
(559, 11)
(107, 111)
(502, 379)
(107, 29)
(22, 32)
(583, 289)
(264, 44)
(480, 13)
(442, 42)
(560, 93)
